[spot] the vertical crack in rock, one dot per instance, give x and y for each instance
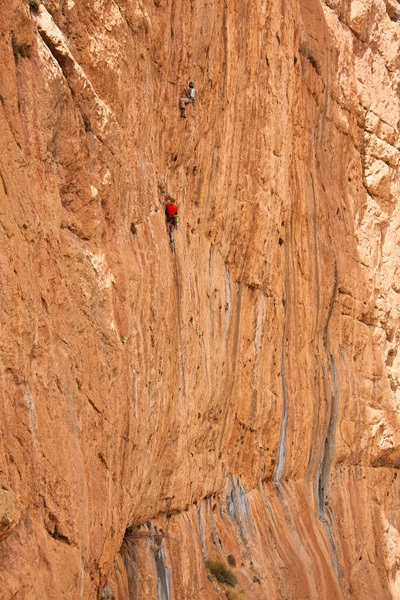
(233, 369)
(130, 551)
(226, 46)
(209, 184)
(210, 269)
(201, 532)
(136, 396)
(332, 396)
(181, 366)
(215, 538)
(332, 400)
(210, 272)
(281, 452)
(267, 504)
(227, 309)
(238, 508)
(129, 556)
(162, 573)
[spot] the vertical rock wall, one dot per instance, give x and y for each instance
(232, 396)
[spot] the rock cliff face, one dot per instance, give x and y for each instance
(233, 396)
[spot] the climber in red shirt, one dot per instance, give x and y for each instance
(171, 212)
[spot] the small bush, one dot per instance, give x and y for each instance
(34, 5)
(221, 572)
(24, 50)
(231, 560)
(20, 49)
(14, 44)
(87, 123)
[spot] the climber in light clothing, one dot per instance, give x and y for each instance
(190, 92)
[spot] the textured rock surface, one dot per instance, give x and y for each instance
(234, 395)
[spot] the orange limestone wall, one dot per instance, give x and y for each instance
(216, 417)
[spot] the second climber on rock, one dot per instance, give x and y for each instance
(189, 93)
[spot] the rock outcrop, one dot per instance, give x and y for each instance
(217, 417)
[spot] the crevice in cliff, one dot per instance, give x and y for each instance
(326, 423)
(214, 535)
(162, 573)
(92, 404)
(228, 309)
(210, 270)
(233, 371)
(332, 397)
(201, 532)
(281, 451)
(4, 184)
(59, 537)
(130, 550)
(181, 366)
(308, 52)
(238, 508)
(209, 185)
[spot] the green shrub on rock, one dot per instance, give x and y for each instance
(221, 572)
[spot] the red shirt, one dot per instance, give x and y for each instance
(171, 209)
